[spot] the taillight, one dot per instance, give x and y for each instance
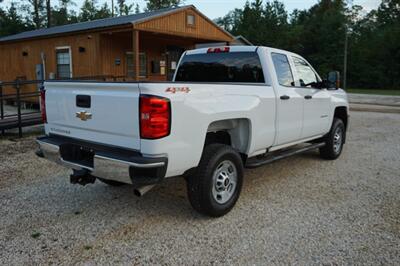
(218, 50)
(155, 117)
(43, 105)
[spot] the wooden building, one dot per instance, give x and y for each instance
(145, 46)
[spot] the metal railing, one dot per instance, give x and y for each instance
(17, 118)
(21, 117)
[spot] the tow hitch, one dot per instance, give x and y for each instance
(82, 177)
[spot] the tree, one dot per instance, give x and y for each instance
(11, 22)
(62, 15)
(261, 24)
(124, 9)
(137, 8)
(89, 11)
(48, 12)
(37, 12)
(374, 61)
(158, 4)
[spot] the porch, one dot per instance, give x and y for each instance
(141, 55)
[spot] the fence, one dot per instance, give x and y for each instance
(21, 117)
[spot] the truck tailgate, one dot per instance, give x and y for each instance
(106, 113)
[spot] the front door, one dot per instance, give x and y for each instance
(316, 119)
(289, 102)
(173, 55)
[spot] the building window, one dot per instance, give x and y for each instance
(64, 69)
(142, 65)
(190, 20)
(130, 68)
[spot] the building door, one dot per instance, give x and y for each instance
(173, 55)
(130, 66)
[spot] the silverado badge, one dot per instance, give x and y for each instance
(83, 115)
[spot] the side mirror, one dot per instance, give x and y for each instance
(333, 80)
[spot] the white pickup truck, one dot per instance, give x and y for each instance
(228, 108)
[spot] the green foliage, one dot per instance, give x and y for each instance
(90, 11)
(319, 34)
(62, 15)
(123, 8)
(11, 22)
(375, 48)
(158, 4)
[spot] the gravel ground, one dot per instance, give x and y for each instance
(301, 210)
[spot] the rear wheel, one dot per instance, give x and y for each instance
(216, 184)
(334, 141)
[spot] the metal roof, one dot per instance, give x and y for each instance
(95, 24)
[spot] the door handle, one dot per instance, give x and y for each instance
(285, 97)
(308, 97)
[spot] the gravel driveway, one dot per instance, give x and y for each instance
(301, 210)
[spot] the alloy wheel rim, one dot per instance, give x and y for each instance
(337, 140)
(224, 182)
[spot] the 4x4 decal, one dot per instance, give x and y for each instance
(177, 89)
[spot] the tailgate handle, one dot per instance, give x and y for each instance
(83, 101)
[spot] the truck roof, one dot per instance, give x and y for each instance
(238, 48)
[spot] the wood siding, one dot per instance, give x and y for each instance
(176, 24)
(13, 64)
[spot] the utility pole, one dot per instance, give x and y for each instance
(112, 8)
(346, 46)
(346, 41)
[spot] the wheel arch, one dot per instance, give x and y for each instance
(341, 112)
(233, 132)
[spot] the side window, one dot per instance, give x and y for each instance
(282, 68)
(305, 73)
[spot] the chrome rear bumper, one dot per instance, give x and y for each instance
(131, 169)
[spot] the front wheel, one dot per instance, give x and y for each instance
(216, 184)
(334, 141)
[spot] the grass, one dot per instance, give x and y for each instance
(374, 91)
(35, 235)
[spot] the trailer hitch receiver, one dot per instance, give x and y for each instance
(82, 177)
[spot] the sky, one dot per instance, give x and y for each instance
(218, 8)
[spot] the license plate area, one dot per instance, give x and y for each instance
(77, 154)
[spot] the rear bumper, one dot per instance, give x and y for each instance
(107, 162)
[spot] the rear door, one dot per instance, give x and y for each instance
(106, 113)
(289, 101)
(316, 101)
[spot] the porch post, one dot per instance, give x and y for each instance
(135, 53)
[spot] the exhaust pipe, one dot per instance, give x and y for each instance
(142, 190)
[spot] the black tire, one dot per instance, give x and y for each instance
(111, 182)
(332, 150)
(202, 187)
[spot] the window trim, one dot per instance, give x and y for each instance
(187, 14)
(290, 67)
(70, 58)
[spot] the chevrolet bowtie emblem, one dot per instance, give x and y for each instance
(83, 115)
